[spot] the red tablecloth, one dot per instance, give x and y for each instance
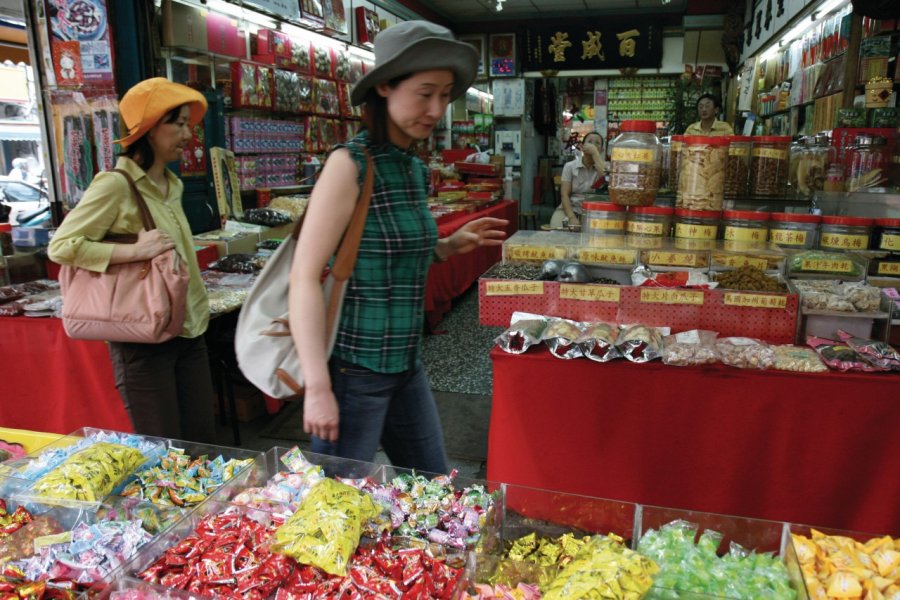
(450, 279)
(53, 383)
(819, 449)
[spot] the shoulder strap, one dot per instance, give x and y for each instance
(345, 258)
(146, 217)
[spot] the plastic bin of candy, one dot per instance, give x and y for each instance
(820, 553)
(43, 542)
(535, 247)
(30, 441)
(543, 530)
(281, 478)
(855, 307)
(729, 557)
(79, 470)
(188, 473)
(729, 255)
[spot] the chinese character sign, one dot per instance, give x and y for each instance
(558, 47)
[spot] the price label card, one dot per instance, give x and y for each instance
(678, 259)
(889, 268)
(534, 252)
(755, 300)
(514, 288)
(737, 261)
(656, 296)
(609, 257)
(827, 266)
(589, 293)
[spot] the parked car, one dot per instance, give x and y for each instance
(23, 203)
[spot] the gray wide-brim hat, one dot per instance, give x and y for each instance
(415, 46)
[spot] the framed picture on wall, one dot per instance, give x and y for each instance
(477, 42)
(502, 53)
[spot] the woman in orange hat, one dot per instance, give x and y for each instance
(373, 390)
(167, 387)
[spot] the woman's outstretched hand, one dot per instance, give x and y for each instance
(485, 231)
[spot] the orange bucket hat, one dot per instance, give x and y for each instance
(145, 104)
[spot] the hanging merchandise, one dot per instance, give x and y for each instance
(80, 42)
(335, 16)
(105, 116)
(72, 115)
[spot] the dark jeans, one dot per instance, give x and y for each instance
(396, 410)
(167, 388)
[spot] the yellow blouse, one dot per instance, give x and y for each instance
(108, 207)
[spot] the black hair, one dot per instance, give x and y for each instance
(715, 100)
(375, 113)
(140, 150)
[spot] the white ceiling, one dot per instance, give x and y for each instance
(457, 11)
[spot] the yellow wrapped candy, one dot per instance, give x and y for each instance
(325, 530)
(838, 567)
(91, 474)
(605, 569)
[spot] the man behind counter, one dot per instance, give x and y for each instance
(708, 107)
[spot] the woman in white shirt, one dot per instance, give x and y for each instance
(579, 177)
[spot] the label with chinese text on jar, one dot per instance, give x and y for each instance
(695, 232)
(633, 155)
(890, 242)
(770, 153)
(605, 225)
(514, 288)
(843, 241)
(737, 261)
(645, 228)
(788, 237)
(589, 293)
(676, 259)
(745, 234)
(755, 300)
(738, 151)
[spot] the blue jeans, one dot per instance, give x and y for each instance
(396, 410)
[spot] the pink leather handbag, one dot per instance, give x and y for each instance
(140, 302)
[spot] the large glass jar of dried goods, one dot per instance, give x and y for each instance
(812, 166)
(634, 164)
(737, 166)
(769, 166)
(869, 160)
(701, 176)
(674, 155)
(795, 151)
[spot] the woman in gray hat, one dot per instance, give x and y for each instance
(373, 389)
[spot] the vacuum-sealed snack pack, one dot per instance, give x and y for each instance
(839, 356)
(878, 353)
(694, 347)
(560, 336)
(598, 341)
(640, 343)
(525, 330)
(745, 353)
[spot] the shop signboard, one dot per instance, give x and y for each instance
(593, 45)
(289, 9)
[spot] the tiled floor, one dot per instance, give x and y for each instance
(460, 372)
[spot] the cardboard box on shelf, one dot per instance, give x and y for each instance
(245, 244)
(280, 232)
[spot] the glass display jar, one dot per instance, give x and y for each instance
(769, 166)
(696, 229)
(887, 235)
(797, 148)
(600, 220)
(868, 161)
(737, 166)
(834, 178)
(675, 146)
(812, 166)
(846, 233)
(794, 230)
(650, 221)
(701, 174)
(745, 226)
(634, 164)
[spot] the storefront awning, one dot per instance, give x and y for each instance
(24, 132)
